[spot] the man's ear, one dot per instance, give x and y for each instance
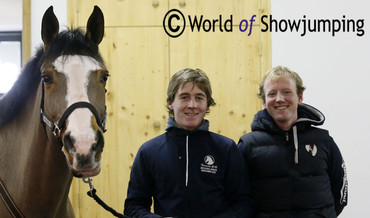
(264, 103)
(300, 98)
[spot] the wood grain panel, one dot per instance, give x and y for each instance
(141, 58)
(124, 12)
(232, 63)
(136, 111)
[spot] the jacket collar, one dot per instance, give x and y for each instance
(172, 124)
(307, 116)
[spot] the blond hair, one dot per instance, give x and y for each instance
(278, 72)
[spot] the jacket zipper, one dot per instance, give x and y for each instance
(295, 138)
(295, 141)
(187, 161)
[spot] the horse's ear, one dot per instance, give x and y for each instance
(49, 27)
(95, 26)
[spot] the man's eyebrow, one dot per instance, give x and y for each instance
(187, 93)
(286, 89)
(183, 93)
(200, 94)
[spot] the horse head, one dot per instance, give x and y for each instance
(73, 101)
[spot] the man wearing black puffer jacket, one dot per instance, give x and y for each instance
(296, 169)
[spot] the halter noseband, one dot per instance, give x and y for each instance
(57, 128)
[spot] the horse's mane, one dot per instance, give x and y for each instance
(12, 102)
(68, 42)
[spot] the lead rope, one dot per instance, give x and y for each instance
(92, 193)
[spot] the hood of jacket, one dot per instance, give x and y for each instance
(204, 126)
(307, 116)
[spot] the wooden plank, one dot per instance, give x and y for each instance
(265, 40)
(141, 58)
(212, 9)
(26, 31)
(232, 62)
(125, 12)
(137, 61)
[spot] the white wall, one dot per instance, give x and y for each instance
(10, 53)
(11, 19)
(38, 7)
(336, 72)
(10, 15)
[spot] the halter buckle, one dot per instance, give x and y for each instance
(56, 131)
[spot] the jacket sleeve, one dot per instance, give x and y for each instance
(140, 188)
(237, 187)
(243, 148)
(338, 177)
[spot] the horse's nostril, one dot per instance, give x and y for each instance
(69, 141)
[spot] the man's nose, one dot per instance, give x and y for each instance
(279, 97)
(192, 103)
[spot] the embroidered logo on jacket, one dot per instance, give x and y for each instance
(208, 167)
(209, 160)
(312, 149)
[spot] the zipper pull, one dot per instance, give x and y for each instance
(287, 136)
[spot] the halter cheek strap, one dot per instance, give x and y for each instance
(57, 128)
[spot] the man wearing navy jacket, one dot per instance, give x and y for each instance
(189, 171)
(296, 169)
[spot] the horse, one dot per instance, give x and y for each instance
(52, 121)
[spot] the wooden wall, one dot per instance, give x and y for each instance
(141, 59)
(26, 31)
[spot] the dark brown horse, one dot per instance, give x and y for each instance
(64, 84)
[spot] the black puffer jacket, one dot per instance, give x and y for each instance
(295, 173)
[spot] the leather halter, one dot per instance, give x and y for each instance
(9, 203)
(57, 127)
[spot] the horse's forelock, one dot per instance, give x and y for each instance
(72, 42)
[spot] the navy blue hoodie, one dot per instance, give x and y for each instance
(188, 174)
(295, 173)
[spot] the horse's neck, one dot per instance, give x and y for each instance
(35, 172)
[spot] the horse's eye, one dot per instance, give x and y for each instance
(104, 77)
(47, 79)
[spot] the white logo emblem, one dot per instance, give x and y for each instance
(312, 149)
(209, 160)
(208, 167)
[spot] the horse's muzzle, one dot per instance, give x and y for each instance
(83, 155)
